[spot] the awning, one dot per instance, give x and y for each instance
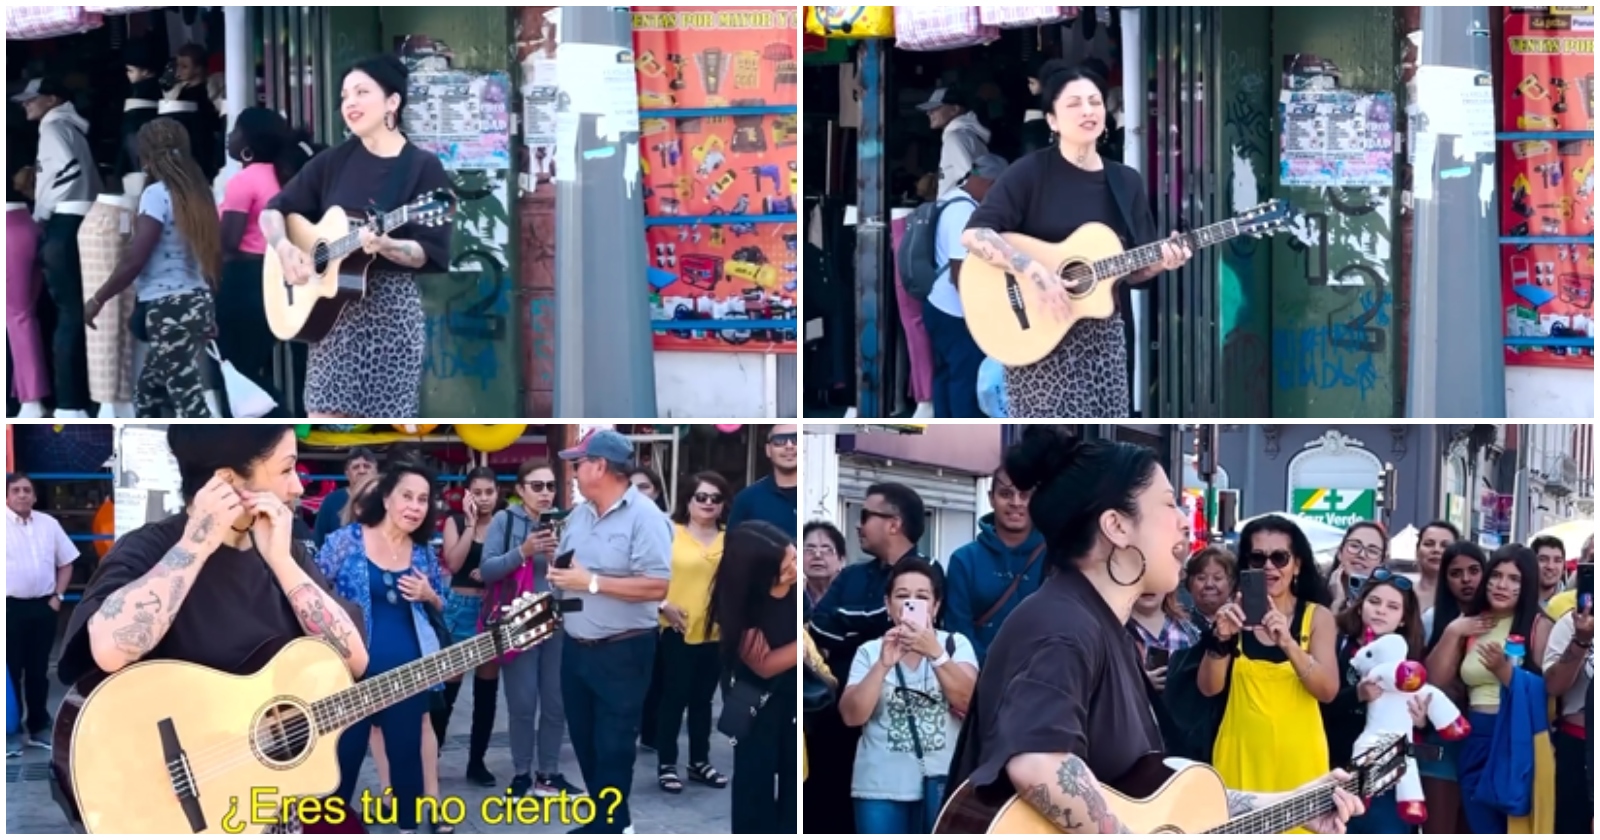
(1572, 535)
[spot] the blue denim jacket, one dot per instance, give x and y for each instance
(343, 560)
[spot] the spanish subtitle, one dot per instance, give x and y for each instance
(269, 806)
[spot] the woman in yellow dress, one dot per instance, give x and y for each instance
(818, 666)
(1276, 675)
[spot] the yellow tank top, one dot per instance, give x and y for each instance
(1483, 688)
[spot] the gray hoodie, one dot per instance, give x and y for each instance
(66, 170)
(502, 548)
(965, 140)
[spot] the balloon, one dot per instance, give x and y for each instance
(729, 428)
(105, 522)
(490, 438)
(302, 431)
(416, 428)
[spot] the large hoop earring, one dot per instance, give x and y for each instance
(391, 122)
(1111, 565)
(246, 157)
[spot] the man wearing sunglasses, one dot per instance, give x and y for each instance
(774, 499)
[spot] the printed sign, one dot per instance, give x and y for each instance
(739, 164)
(462, 117)
(1547, 186)
(1339, 508)
(1337, 138)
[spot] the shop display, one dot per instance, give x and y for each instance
(23, 288)
(102, 241)
(1337, 138)
(719, 136)
(934, 28)
(1547, 183)
(850, 21)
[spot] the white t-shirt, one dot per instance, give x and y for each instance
(958, 209)
(886, 759)
(1560, 637)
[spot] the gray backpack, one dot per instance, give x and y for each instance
(918, 257)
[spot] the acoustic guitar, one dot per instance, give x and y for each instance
(1003, 309)
(308, 312)
(1192, 800)
(171, 748)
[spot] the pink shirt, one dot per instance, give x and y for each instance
(248, 193)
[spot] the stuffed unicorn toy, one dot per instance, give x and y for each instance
(1384, 661)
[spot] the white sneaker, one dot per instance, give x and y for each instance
(31, 411)
(924, 412)
(72, 415)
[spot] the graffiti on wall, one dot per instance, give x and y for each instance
(1247, 133)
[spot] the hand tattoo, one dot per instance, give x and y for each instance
(203, 529)
(1240, 803)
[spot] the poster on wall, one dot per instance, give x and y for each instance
(1547, 185)
(741, 164)
(462, 117)
(1337, 138)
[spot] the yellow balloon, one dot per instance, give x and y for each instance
(490, 438)
(416, 428)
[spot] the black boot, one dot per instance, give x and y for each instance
(485, 695)
(441, 718)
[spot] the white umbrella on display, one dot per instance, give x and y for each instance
(1403, 546)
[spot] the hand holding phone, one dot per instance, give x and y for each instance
(563, 561)
(914, 614)
(1253, 597)
(1586, 587)
(1155, 658)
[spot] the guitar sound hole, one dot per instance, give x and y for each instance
(282, 734)
(320, 258)
(1078, 277)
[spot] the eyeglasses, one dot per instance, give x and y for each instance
(820, 550)
(786, 439)
(708, 498)
(1371, 552)
(540, 486)
(1259, 559)
(867, 515)
(1400, 582)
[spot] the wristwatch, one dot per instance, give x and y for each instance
(943, 660)
(594, 584)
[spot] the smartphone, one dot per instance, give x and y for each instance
(563, 561)
(551, 517)
(1586, 587)
(914, 613)
(1253, 596)
(1156, 658)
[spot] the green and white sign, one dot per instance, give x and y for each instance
(1336, 507)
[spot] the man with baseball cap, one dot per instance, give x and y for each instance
(956, 357)
(964, 138)
(620, 544)
(66, 182)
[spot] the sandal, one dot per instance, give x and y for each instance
(443, 828)
(667, 778)
(703, 773)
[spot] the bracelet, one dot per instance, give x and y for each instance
(1220, 649)
(943, 660)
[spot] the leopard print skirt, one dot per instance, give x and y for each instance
(370, 365)
(1086, 378)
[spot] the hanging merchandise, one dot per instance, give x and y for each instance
(102, 240)
(120, 10)
(934, 28)
(1022, 17)
(850, 21)
(416, 428)
(490, 438)
(36, 23)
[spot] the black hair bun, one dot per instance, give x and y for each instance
(1043, 453)
(1054, 66)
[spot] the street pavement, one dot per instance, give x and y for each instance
(698, 810)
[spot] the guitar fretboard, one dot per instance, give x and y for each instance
(1289, 813)
(351, 242)
(334, 713)
(1138, 259)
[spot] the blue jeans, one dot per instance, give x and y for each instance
(1382, 817)
(886, 816)
(603, 686)
(956, 359)
(1476, 753)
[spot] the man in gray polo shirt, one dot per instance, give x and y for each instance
(621, 565)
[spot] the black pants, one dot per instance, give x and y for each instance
(30, 633)
(689, 681)
(603, 686)
(765, 773)
(63, 278)
(651, 716)
(1574, 795)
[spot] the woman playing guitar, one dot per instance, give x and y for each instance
(1061, 705)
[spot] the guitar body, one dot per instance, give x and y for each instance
(1191, 801)
(117, 764)
(1003, 310)
(307, 313)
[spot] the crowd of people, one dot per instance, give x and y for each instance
(654, 623)
(146, 269)
(968, 670)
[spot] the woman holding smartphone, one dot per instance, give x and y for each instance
(908, 691)
(1162, 627)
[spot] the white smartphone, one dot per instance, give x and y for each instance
(914, 613)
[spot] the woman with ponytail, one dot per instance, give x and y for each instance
(174, 263)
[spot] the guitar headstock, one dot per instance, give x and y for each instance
(526, 622)
(1264, 219)
(1379, 769)
(432, 210)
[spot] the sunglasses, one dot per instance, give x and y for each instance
(869, 515)
(708, 498)
(540, 486)
(783, 440)
(1400, 582)
(1259, 559)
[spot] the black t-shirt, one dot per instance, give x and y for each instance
(234, 605)
(1062, 677)
(474, 559)
(779, 627)
(352, 178)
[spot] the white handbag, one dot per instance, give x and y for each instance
(246, 399)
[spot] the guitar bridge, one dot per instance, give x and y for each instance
(181, 776)
(1019, 307)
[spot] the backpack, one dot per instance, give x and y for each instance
(918, 257)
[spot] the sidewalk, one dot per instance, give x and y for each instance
(698, 810)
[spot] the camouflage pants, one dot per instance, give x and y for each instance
(172, 384)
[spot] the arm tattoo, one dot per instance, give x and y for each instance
(996, 250)
(318, 619)
(202, 531)
(1038, 796)
(1076, 782)
(155, 609)
(113, 605)
(1240, 803)
(405, 253)
(139, 637)
(272, 227)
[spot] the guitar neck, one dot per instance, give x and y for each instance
(334, 713)
(1289, 813)
(351, 242)
(1145, 256)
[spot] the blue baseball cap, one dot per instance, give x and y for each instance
(601, 443)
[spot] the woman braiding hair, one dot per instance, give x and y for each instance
(173, 263)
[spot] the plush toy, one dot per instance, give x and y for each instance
(1384, 661)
